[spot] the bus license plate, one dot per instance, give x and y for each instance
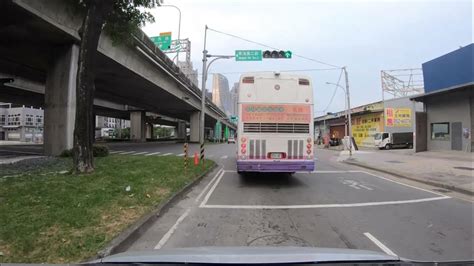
(275, 155)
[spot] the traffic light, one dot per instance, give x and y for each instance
(277, 54)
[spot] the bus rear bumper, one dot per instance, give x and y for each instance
(281, 166)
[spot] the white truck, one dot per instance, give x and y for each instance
(386, 140)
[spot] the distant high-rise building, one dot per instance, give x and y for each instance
(188, 70)
(220, 93)
(234, 93)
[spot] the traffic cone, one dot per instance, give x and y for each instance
(196, 158)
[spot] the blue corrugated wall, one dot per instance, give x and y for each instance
(452, 69)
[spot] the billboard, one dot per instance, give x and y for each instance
(276, 113)
(364, 127)
(398, 117)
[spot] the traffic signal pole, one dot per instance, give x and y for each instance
(205, 69)
(203, 96)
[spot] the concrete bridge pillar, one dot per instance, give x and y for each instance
(181, 130)
(194, 126)
(149, 131)
(60, 100)
(137, 126)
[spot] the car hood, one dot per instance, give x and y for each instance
(247, 255)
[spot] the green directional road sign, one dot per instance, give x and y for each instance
(163, 41)
(248, 55)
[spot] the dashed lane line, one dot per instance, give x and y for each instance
(140, 153)
(153, 153)
(127, 152)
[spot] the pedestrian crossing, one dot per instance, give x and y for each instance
(157, 153)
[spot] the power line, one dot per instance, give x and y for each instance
(334, 93)
(271, 47)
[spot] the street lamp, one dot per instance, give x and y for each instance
(205, 68)
(179, 26)
(348, 109)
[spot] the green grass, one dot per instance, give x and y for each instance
(62, 218)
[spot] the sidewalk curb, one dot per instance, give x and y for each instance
(127, 237)
(391, 172)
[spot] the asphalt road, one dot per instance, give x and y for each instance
(338, 205)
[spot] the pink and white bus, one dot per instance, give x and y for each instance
(275, 128)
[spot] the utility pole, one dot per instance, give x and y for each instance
(348, 110)
(203, 96)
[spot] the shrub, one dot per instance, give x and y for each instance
(97, 151)
(100, 151)
(66, 153)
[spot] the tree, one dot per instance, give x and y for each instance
(119, 18)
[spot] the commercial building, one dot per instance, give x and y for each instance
(105, 126)
(393, 115)
(220, 92)
(448, 120)
(21, 123)
(234, 96)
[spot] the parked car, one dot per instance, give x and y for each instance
(230, 140)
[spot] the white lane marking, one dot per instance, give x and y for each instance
(112, 152)
(380, 244)
(354, 184)
(181, 154)
(140, 153)
(208, 185)
(166, 154)
(331, 172)
(368, 188)
(400, 183)
(224, 157)
(168, 234)
(208, 195)
(315, 206)
(153, 153)
(127, 152)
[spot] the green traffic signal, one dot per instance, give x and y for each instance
(277, 54)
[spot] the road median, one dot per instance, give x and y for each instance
(49, 215)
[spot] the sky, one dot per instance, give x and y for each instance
(365, 36)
